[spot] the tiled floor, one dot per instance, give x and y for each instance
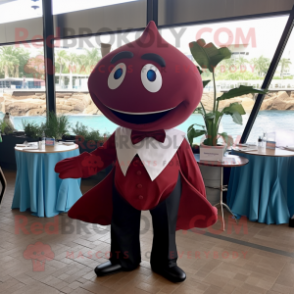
(215, 262)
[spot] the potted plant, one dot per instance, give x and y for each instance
(55, 126)
(10, 138)
(88, 140)
(32, 130)
(208, 56)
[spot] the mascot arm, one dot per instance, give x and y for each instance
(88, 164)
(190, 168)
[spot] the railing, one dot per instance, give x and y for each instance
(276, 85)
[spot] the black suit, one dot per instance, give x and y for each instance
(125, 231)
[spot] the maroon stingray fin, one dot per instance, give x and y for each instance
(96, 205)
(194, 210)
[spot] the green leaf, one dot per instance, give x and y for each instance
(210, 116)
(204, 111)
(207, 55)
(192, 126)
(237, 118)
(205, 83)
(199, 110)
(228, 139)
(200, 71)
(242, 90)
(236, 110)
(233, 108)
(192, 133)
(218, 117)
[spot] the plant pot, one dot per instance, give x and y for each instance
(212, 153)
(7, 153)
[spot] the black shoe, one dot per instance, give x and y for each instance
(173, 274)
(291, 223)
(107, 268)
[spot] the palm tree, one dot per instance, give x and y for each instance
(35, 66)
(11, 58)
(285, 64)
(225, 66)
(261, 65)
(72, 60)
(23, 56)
(241, 61)
(61, 59)
(89, 60)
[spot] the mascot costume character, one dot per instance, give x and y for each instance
(146, 87)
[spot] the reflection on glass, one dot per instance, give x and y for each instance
(74, 61)
(70, 5)
(252, 43)
(14, 10)
(277, 110)
(22, 85)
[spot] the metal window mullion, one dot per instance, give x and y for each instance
(149, 10)
(48, 35)
(269, 76)
(152, 11)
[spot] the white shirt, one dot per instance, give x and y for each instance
(153, 154)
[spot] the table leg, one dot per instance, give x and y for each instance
(221, 197)
(4, 185)
(221, 202)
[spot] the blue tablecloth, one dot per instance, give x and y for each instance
(263, 190)
(39, 188)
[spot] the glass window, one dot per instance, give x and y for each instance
(70, 5)
(14, 10)
(22, 84)
(252, 42)
(248, 41)
(74, 61)
(277, 111)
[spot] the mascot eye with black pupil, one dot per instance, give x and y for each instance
(118, 73)
(151, 75)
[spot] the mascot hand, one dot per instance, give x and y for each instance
(82, 166)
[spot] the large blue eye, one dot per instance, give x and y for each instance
(118, 73)
(151, 75)
(151, 78)
(117, 76)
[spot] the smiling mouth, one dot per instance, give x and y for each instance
(140, 117)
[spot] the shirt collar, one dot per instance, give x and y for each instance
(154, 155)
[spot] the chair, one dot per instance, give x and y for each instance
(4, 185)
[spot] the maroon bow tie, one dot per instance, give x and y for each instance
(138, 136)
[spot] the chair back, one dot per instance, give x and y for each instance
(3, 184)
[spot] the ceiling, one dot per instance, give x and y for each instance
(5, 1)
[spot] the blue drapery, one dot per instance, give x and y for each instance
(263, 190)
(38, 187)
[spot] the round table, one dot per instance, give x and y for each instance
(38, 187)
(264, 189)
(228, 161)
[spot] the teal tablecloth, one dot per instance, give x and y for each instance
(39, 188)
(263, 190)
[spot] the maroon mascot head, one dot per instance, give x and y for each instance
(146, 85)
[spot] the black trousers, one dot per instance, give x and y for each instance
(125, 232)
